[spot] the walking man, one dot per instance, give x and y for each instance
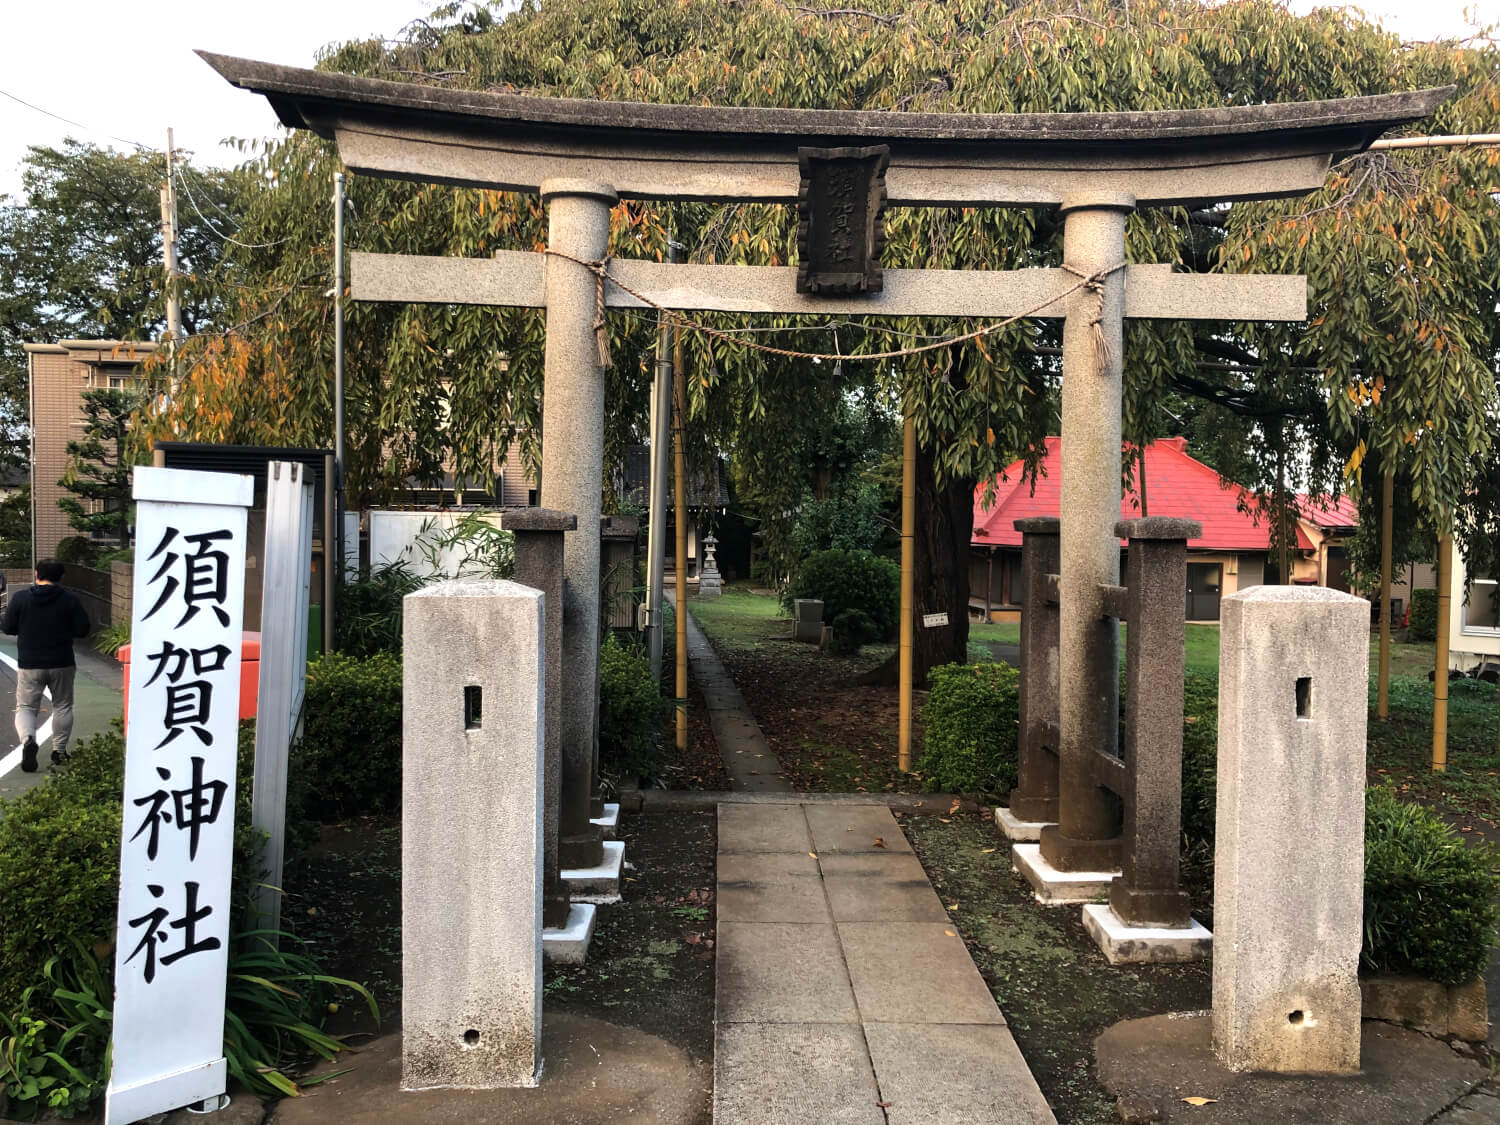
(45, 618)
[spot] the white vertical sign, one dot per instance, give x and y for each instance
(283, 664)
(172, 939)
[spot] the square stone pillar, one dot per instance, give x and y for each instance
(539, 564)
(1146, 892)
(473, 752)
(1289, 864)
(1034, 799)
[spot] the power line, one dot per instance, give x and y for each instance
(193, 202)
(76, 124)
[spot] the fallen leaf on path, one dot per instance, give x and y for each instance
(1200, 1101)
(691, 938)
(880, 841)
(950, 933)
(953, 808)
(986, 851)
(813, 854)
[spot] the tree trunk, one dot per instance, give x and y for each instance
(945, 524)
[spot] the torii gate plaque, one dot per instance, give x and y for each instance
(1096, 168)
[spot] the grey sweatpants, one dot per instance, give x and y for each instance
(29, 685)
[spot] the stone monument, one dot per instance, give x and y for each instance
(709, 583)
(473, 768)
(1294, 668)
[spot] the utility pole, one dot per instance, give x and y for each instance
(1387, 520)
(661, 445)
(1440, 672)
(169, 259)
(335, 535)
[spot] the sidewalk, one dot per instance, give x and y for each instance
(97, 702)
(748, 758)
(844, 995)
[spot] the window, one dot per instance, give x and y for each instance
(1481, 607)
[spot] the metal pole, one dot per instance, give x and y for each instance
(338, 341)
(679, 486)
(908, 583)
(1440, 677)
(1383, 676)
(169, 262)
(656, 527)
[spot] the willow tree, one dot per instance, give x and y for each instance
(1399, 248)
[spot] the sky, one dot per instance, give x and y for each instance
(124, 70)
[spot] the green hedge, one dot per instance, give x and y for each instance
(1429, 898)
(970, 728)
(1424, 606)
(852, 580)
(631, 713)
(1200, 755)
(60, 857)
(349, 760)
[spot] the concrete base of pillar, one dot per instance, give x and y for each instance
(1059, 888)
(609, 822)
(1133, 945)
(1016, 830)
(599, 884)
(586, 849)
(555, 906)
(569, 945)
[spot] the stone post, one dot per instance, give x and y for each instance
(1034, 799)
(473, 752)
(1289, 864)
(1146, 894)
(572, 481)
(539, 564)
(1086, 835)
(709, 583)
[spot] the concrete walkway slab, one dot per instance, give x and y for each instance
(915, 972)
(794, 1074)
(776, 972)
(945, 1074)
(878, 888)
(771, 887)
(855, 828)
(880, 1017)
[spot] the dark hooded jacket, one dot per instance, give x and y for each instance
(45, 619)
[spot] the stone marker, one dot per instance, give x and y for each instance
(539, 564)
(807, 620)
(473, 754)
(1289, 864)
(1033, 802)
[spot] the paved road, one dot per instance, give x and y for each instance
(96, 703)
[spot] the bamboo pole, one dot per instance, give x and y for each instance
(908, 581)
(1440, 672)
(679, 477)
(1387, 515)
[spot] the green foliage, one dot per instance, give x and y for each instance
(970, 723)
(349, 760)
(1430, 905)
(15, 526)
(112, 638)
(1200, 755)
(77, 550)
(848, 519)
(473, 546)
(275, 1006)
(100, 466)
(631, 712)
(369, 610)
(1424, 609)
(853, 629)
(845, 580)
(54, 1052)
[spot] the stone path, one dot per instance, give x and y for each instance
(844, 994)
(751, 764)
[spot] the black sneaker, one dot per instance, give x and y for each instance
(28, 755)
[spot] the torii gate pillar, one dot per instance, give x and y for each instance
(572, 467)
(1086, 838)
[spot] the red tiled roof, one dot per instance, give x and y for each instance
(1176, 485)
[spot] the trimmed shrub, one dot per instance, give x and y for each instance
(970, 722)
(1200, 755)
(349, 760)
(631, 713)
(845, 580)
(1429, 899)
(853, 629)
(1424, 606)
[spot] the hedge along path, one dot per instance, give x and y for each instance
(748, 758)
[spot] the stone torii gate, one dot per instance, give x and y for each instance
(1095, 168)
